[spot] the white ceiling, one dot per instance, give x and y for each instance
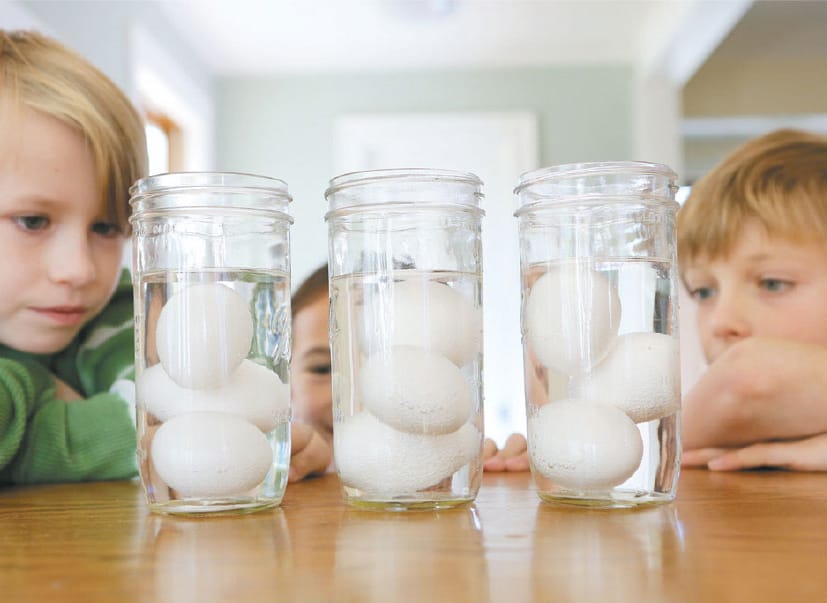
(259, 37)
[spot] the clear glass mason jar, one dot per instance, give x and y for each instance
(406, 336)
(211, 268)
(600, 332)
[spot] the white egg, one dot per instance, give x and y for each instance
(571, 318)
(253, 393)
(423, 314)
(210, 455)
(203, 334)
(640, 376)
(584, 446)
(415, 391)
(382, 461)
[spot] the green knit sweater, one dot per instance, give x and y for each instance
(43, 439)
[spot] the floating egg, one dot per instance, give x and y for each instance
(210, 454)
(252, 392)
(640, 376)
(415, 391)
(571, 318)
(584, 446)
(203, 334)
(423, 314)
(382, 461)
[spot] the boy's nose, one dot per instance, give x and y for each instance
(71, 261)
(730, 317)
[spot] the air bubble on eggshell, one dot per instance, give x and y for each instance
(210, 455)
(640, 376)
(253, 392)
(423, 314)
(382, 461)
(415, 391)
(584, 446)
(572, 315)
(203, 333)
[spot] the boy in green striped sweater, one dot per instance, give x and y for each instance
(70, 146)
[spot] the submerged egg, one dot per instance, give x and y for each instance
(210, 454)
(584, 446)
(203, 333)
(423, 314)
(383, 461)
(572, 314)
(252, 392)
(640, 376)
(415, 391)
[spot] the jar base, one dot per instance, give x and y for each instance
(625, 499)
(407, 505)
(202, 508)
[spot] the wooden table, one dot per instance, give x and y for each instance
(756, 536)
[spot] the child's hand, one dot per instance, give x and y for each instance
(513, 456)
(808, 454)
(759, 389)
(309, 452)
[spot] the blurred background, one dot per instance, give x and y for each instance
(304, 90)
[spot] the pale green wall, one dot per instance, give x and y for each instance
(283, 126)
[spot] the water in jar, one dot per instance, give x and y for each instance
(602, 380)
(212, 376)
(406, 351)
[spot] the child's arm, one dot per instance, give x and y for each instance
(43, 439)
(808, 454)
(759, 390)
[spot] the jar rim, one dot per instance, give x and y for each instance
(413, 174)
(226, 181)
(568, 171)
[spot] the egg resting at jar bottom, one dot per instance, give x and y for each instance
(583, 445)
(640, 376)
(415, 391)
(383, 461)
(572, 315)
(210, 455)
(252, 392)
(203, 333)
(423, 314)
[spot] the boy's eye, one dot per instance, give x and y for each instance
(774, 284)
(106, 229)
(701, 293)
(320, 369)
(32, 222)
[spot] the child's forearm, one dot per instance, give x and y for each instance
(758, 391)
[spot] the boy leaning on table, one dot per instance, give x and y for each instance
(752, 249)
(71, 144)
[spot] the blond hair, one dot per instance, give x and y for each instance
(44, 75)
(778, 181)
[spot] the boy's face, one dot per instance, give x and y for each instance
(310, 367)
(60, 255)
(768, 287)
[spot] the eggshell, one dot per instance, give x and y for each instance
(210, 454)
(415, 391)
(584, 446)
(381, 461)
(423, 314)
(640, 376)
(203, 334)
(253, 392)
(572, 314)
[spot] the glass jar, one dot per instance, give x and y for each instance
(406, 336)
(600, 332)
(211, 268)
